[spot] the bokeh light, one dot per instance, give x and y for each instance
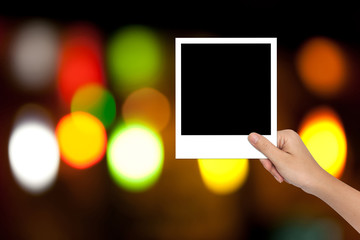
(33, 150)
(308, 229)
(175, 201)
(134, 58)
(135, 157)
(96, 100)
(322, 67)
(82, 139)
(34, 55)
(324, 136)
(81, 61)
(147, 106)
(223, 176)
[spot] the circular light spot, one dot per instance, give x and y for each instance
(223, 176)
(322, 67)
(82, 139)
(96, 100)
(135, 157)
(147, 106)
(309, 229)
(324, 136)
(33, 150)
(34, 55)
(80, 61)
(134, 57)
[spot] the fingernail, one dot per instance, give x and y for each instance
(278, 179)
(254, 137)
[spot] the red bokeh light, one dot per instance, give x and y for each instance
(80, 61)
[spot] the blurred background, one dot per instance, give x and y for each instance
(87, 126)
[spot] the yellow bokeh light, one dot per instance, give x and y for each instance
(82, 139)
(223, 176)
(322, 67)
(324, 136)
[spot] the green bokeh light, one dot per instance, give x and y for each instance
(308, 229)
(96, 100)
(135, 156)
(134, 58)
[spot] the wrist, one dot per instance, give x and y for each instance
(320, 184)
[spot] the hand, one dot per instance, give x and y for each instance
(290, 161)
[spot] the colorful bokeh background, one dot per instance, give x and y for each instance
(87, 134)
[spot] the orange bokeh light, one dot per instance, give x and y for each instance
(322, 67)
(324, 136)
(80, 61)
(82, 139)
(147, 106)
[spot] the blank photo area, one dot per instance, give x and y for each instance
(225, 89)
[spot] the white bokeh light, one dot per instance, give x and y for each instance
(34, 55)
(33, 154)
(132, 162)
(135, 157)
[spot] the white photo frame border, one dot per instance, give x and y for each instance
(222, 146)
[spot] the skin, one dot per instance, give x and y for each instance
(292, 162)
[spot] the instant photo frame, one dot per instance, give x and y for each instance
(225, 89)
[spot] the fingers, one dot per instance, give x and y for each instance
(284, 137)
(266, 147)
(273, 154)
(271, 168)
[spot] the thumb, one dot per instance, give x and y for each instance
(265, 146)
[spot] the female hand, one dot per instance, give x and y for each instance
(290, 161)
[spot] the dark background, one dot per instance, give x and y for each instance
(87, 204)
